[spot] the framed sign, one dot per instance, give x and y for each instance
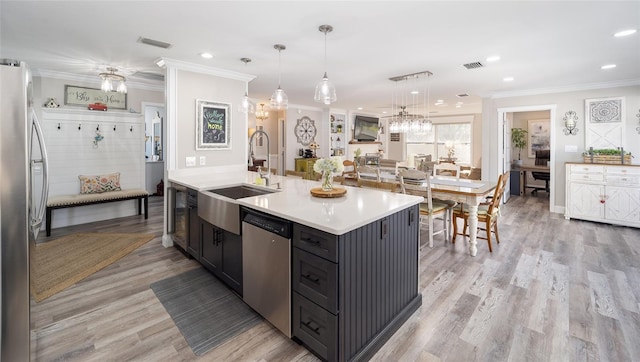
(83, 96)
(604, 122)
(213, 125)
(539, 136)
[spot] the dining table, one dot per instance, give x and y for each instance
(469, 192)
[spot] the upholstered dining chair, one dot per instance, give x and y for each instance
(488, 213)
(420, 185)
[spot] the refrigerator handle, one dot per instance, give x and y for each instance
(36, 221)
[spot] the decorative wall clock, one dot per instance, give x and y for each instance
(305, 130)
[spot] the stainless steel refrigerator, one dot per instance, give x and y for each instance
(22, 165)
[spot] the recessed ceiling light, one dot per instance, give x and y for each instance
(359, 108)
(440, 101)
(508, 79)
(415, 92)
(625, 32)
(608, 66)
(384, 112)
(206, 55)
(493, 58)
(458, 105)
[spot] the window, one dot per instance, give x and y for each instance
(435, 143)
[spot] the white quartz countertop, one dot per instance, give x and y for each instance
(293, 201)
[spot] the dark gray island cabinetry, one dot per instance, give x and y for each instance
(351, 292)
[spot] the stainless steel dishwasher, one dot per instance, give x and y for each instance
(266, 267)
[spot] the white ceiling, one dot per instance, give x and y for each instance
(546, 46)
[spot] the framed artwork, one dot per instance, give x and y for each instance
(539, 136)
(83, 96)
(213, 120)
(604, 122)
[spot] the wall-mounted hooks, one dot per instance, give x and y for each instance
(79, 126)
(131, 129)
(59, 126)
(114, 127)
(98, 128)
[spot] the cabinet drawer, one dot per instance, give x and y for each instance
(315, 327)
(622, 170)
(631, 180)
(597, 177)
(316, 242)
(584, 168)
(315, 278)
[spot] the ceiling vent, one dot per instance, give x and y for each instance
(473, 65)
(155, 43)
(149, 76)
(462, 95)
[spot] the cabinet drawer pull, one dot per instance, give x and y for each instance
(311, 278)
(310, 241)
(314, 330)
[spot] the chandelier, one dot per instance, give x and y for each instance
(325, 90)
(279, 99)
(261, 114)
(109, 77)
(402, 121)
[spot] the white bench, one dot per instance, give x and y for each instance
(65, 201)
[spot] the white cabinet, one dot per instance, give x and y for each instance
(604, 193)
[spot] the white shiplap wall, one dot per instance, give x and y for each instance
(72, 152)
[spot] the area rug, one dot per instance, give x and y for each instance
(59, 264)
(205, 311)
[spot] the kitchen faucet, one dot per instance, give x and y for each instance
(263, 176)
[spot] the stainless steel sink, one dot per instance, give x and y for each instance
(240, 192)
(222, 212)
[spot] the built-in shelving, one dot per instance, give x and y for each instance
(338, 135)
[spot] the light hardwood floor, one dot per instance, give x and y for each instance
(552, 290)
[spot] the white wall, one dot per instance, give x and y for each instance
(564, 102)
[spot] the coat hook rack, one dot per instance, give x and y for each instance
(58, 126)
(79, 126)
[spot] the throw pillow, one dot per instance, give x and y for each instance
(99, 183)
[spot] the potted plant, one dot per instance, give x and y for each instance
(519, 141)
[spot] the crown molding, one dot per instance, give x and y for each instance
(178, 64)
(93, 80)
(563, 89)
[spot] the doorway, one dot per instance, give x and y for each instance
(510, 115)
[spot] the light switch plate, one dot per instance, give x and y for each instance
(191, 161)
(203, 160)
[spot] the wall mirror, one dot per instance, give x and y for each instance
(154, 116)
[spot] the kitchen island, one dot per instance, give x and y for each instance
(354, 260)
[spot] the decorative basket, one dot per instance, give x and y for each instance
(614, 159)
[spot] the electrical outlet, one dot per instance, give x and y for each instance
(191, 161)
(203, 160)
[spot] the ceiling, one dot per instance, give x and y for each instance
(545, 46)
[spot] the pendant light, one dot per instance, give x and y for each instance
(246, 106)
(279, 99)
(325, 90)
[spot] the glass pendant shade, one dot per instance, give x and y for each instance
(325, 91)
(122, 87)
(107, 86)
(279, 99)
(246, 106)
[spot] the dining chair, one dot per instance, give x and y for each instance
(369, 170)
(349, 175)
(420, 185)
(372, 184)
(446, 169)
(488, 213)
